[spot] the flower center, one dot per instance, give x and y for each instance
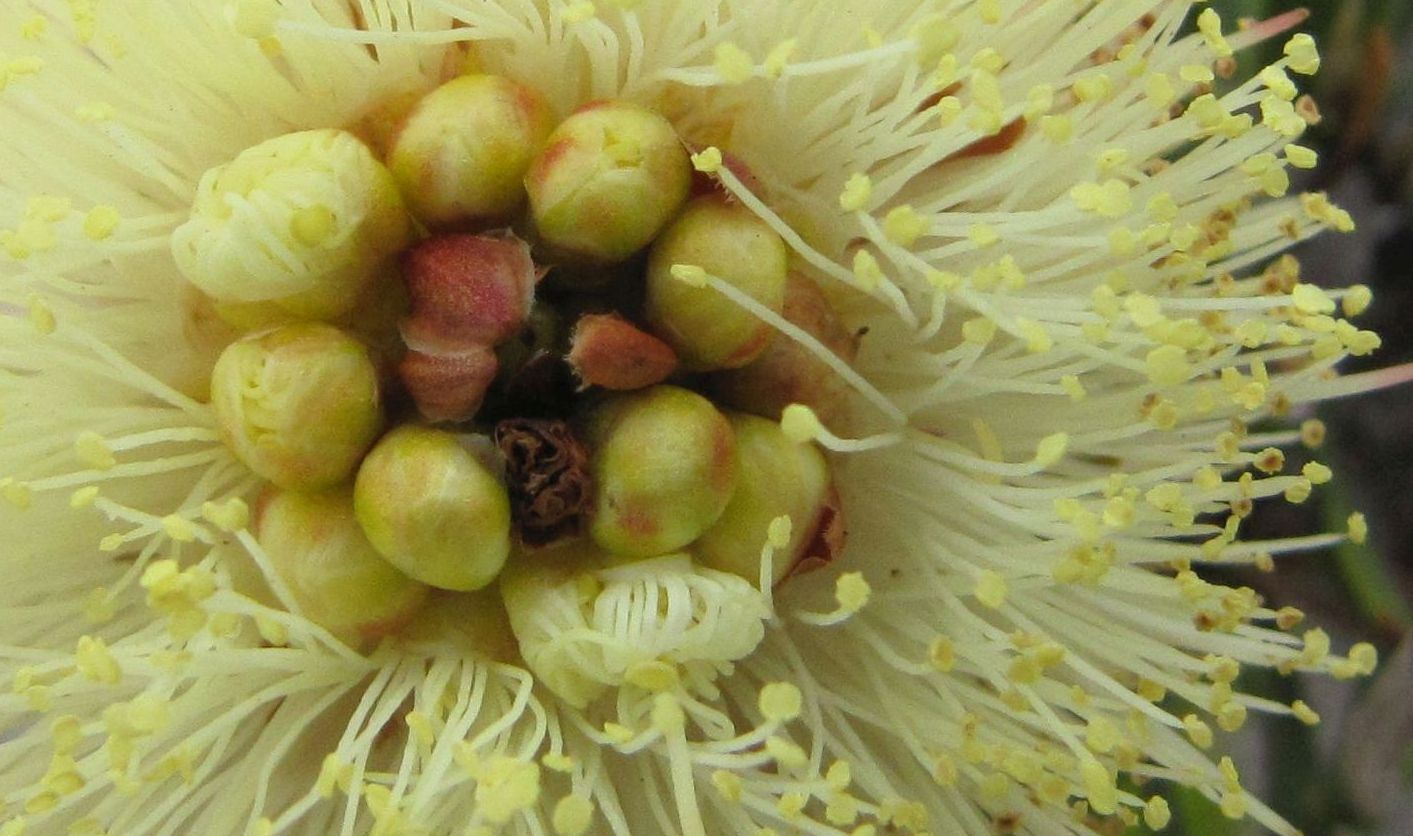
(512, 356)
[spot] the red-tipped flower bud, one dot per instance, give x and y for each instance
(463, 151)
(610, 177)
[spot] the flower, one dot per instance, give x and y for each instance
(1061, 246)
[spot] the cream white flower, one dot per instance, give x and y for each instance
(1063, 248)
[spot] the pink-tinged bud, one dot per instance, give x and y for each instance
(726, 240)
(610, 177)
(450, 386)
(776, 478)
(467, 291)
(337, 579)
(462, 153)
(787, 372)
(664, 467)
(606, 350)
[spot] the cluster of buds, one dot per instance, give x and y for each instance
(554, 385)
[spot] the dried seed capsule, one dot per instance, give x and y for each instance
(335, 576)
(726, 240)
(787, 372)
(606, 350)
(461, 155)
(303, 221)
(298, 405)
(610, 177)
(663, 462)
(776, 477)
(433, 510)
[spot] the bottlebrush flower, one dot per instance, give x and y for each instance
(1060, 245)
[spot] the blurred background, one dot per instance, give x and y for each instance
(1352, 774)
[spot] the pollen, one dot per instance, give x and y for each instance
(858, 191)
(991, 589)
(780, 702)
(733, 64)
(852, 592)
(708, 160)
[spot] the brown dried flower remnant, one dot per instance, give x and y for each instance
(547, 470)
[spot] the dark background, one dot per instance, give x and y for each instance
(1352, 774)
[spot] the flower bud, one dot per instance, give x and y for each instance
(787, 372)
(663, 462)
(448, 386)
(468, 293)
(463, 151)
(467, 290)
(610, 177)
(586, 620)
(608, 351)
(726, 240)
(433, 510)
(303, 221)
(298, 405)
(335, 576)
(775, 477)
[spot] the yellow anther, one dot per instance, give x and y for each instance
(991, 588)
(1358, 528)
(254, 19)
(733, 64)
(93, 451)
(95, 662)
(653, 675)
(852, 591)
(101, 222)
(800, 423)
(904, 226)
(1051, 449)
(728, 784)
(857, 193)
(1110, 199)
(708, 160)
(780, 702)
(1304, 56)
(573, 815)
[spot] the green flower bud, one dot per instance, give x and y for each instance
(776, 477)
(610, 177)
(304, 221)
(463, 151)
(663, 462)
(433, 510)
(726, 240)
(335, 576)
(298, 405)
